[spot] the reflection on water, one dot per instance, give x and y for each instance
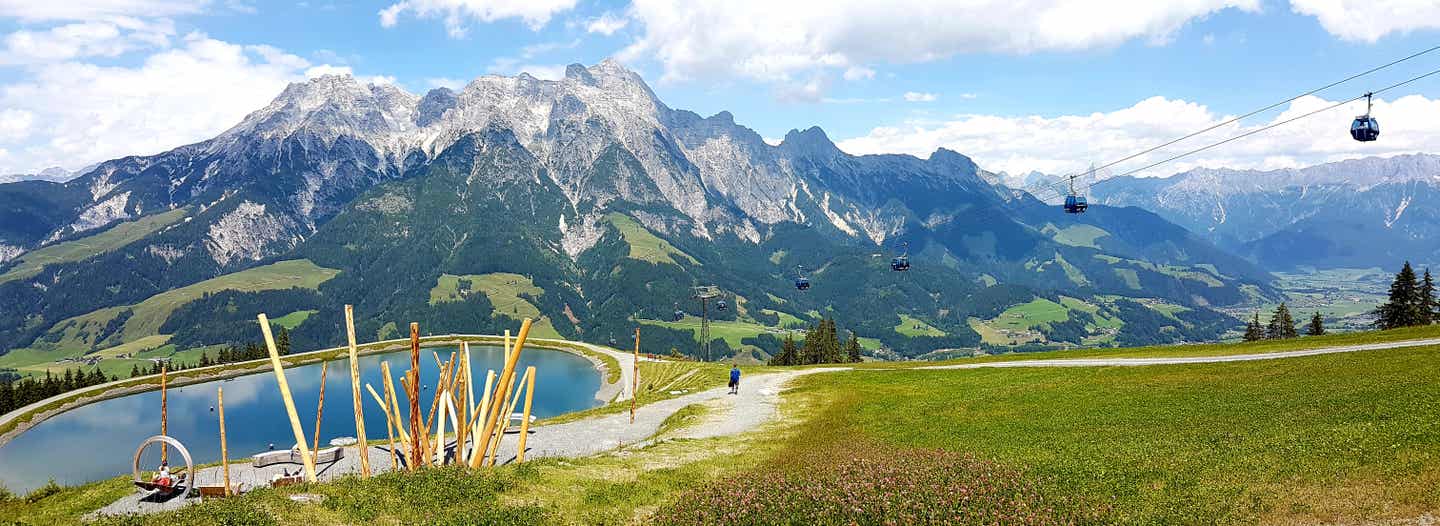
(98, 440)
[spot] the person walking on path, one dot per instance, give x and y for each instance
(735, 379)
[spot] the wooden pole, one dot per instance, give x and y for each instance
(440, 430)
(416, 448)
(525, 419)
(164, 404)
(389, 431)
(289, 401)
(481, 411)
(506, 376)
(224, 452)
(355, 393)
(463, 403)
(393, 407)
(505, 418)
(320, 409)
(635, 377)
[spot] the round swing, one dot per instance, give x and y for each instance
(175, 482)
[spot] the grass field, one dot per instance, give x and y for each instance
(90, 246)
(294, 319)
(1297, 440)
(1077, 235)
(644, 245)
(505, 291)
(910, 326)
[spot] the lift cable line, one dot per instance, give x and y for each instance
(1264, 128)
(1052, 185)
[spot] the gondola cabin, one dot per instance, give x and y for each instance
(679, 315)
(1075, 204)
(1365, 128)
(900, 264)
(802, 283)
(720, 305)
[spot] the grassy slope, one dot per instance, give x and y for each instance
(644, 245)
(150, 314)
(1346, 435)
(90, 246)
(910, 326)
(504, 291)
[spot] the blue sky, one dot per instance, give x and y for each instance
(1036, 72)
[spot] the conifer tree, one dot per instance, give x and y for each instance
(1427, 300)
(1253, 330)
(852, 348)
(1317, 326)
(1403, 307)
(1282, 325)
(789, 354)
(282, 342)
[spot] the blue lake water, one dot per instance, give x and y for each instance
(98, 441)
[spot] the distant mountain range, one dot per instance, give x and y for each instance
(1357, 213)
(53, 174)
(585, 201)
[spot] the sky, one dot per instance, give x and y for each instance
(1018, 85)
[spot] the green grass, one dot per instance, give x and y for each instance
(787, 320)
(1078, 235)
(87, 247)
(910, 327)
(730, 331)
(1030, 315)
(644, 245)
(506, 292)
(293, 320)
(687, 416)
(1297, 440)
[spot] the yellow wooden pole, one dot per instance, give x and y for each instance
(480, 412)
(355, 393)
(416, 448)
(224, 453)
(462, 405)
(506, 376)
(393, 407)
(320, 409)
(505, 419)
(635, 377)
(440, 430)
(389, 431)
(289, 401)
(525, 419)
(164, 403)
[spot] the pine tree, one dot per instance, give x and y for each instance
(1317, 326)
(1253, 330)
(1427, 299)
(1282, 325)
(282, 342)
(852, 348)
(1404, 305)
(789, 354)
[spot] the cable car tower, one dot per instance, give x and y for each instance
(705, 293)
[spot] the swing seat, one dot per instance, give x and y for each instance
(176, 483)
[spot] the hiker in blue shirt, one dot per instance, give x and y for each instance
(735, 379)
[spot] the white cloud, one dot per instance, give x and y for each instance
(108, 38)
(81, 113)
(97, 9)
(1069, 143)
(793, 42)
(858, 73)
(914, 96)
(606, 24)
(456, 13)
(1369, 20)
(969, 96)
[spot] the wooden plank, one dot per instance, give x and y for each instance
(355, 394)
(525, 419)
(289, 401)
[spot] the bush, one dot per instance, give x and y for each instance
(50, 488)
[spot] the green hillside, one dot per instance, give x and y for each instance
(90, 246)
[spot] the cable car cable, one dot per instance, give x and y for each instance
(1253, 113)
(1267, 127)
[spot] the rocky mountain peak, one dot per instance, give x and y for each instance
(812, 143)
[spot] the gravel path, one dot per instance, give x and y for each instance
(1131, 362)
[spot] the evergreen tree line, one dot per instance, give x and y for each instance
(821, 345)
(15, 394)
(1282, 326)
(1411, 303)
